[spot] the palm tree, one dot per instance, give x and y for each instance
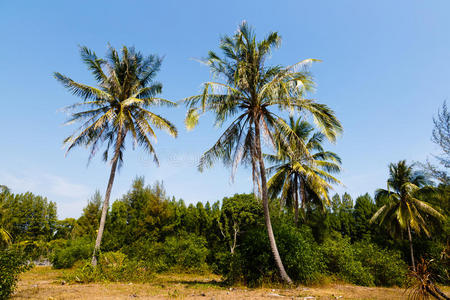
(404, 208)
(248, 92)
(117, 107)
(295, 172)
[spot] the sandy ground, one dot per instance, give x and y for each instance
(45, 283)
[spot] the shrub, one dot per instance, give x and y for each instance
(300, 253)
(341, 260)
(12, 263)
(253, 263)
(186, 252)
(386, 266)
(148, 251)
(74, 250)
(111, 267)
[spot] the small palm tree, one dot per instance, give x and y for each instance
(296, 173)
(252, 93)
(404, 208)
(115, 109)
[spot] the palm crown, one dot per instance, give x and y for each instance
(296, 171)
(119, 105)
(404, 205)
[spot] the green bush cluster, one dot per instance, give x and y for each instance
(386, 266)
(65, 255)
(253, 264)
(185, 252)
(12, 263)
(112, 267)
(363, 263)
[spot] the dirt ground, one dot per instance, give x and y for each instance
(45, 283)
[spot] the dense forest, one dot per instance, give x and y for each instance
(290, 229)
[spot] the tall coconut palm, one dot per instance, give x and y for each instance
(252, 94)
(116, 108)
(296, 173)
(405, 208)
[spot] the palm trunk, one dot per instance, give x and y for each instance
(303, 194)
(112, 174)
(265, 201)
(411, 248)
(295, 201)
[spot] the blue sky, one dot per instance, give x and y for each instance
(385, 71)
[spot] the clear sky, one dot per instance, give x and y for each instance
(385, 71)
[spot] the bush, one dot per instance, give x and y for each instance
(299, 252)
(253, 264)
(72, 251)
(12, 263)
(386, 266)
(111, 267)
(186, 252)
(148, 251)
(341, 260)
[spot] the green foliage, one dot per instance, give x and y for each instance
(386, 266)
(144, 212)
(64, 228)
(299, 250)
(185, 252)
(72, 251)
(238, 214)
(438, 254)
(341, 260)
(253, 263)
(87, 223)
(112, 267)
(363, 263)
(148, 231)
(405, 205)
(299, 174)
(12, 263)
(119, 104)
(363, 211)
(27, 217)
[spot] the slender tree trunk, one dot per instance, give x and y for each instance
(303, 194)
(411, 248)
(265, 201)
(112, 174)
(295, 201)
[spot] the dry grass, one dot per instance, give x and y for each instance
(45, 283)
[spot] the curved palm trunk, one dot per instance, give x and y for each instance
(265, 200)
(411, 248)
(112, 174)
